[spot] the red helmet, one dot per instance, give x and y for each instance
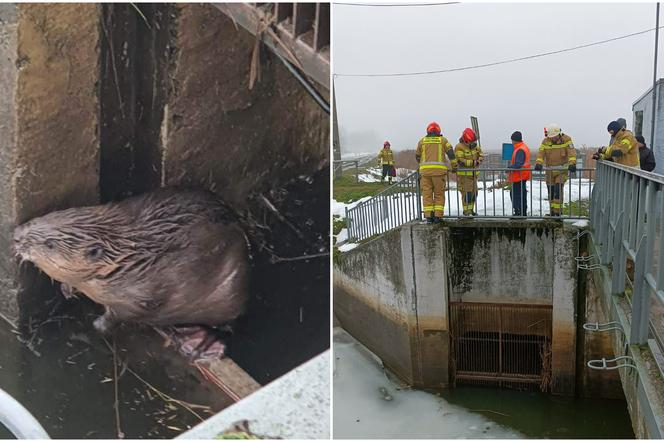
(468, 135)
(387, 143)
(433, 128)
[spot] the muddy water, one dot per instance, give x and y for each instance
(62, 372)
(370, 403)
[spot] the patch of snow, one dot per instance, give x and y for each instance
(342, 235)
(338, 209)
(347, 247)
(582, 223)
(367, 178)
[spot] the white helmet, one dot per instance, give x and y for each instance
(553, 130)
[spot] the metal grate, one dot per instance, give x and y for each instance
(505, 345)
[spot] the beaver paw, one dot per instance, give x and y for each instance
(103, 324)
(197, 343)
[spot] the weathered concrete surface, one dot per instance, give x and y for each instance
(218, 134)
(430, 294)
(643, 386)
(392, 293)
(136, 57)
(563, 340)
(373, 302)
(49, 148)
(501, 262)
(596, 345)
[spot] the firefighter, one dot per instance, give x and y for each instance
(556, 150)
(435, 155)
(519, 178)
(387, 161)
(469, 156)
(624, 149)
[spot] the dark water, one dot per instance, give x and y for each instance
(542, 416)
(288, 319)
(65, 380)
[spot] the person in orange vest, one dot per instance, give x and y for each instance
(387, 161)
(519, 178)
(469, 156)
(435, 155)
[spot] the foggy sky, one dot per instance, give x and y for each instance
(581, 90)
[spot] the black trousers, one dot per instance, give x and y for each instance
(519, 196)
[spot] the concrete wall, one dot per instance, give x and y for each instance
(219, 134)
(49, 143)
(392, 293)
(501, 262)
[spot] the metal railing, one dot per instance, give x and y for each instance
(628, 220)
(401, 202)
(396, 205)
(18, 420)
(342, 165)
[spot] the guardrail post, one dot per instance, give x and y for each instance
(618, 277)
(640, 299)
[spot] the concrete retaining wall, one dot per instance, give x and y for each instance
(49, 143)
(392, 293)
(100, 103)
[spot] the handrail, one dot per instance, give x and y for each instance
(18, 419)
(627, 217)
(401, 203)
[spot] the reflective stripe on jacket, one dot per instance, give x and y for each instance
(467, 157)
(432, 153)
(558, 152)
(520, 175)
(626, 143)
(386, 157)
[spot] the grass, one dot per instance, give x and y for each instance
(338, 223)
(579, 208)
(346, 189)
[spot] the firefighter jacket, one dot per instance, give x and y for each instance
(386, 157)
(433, 152)
(467, 158)
(558, 151)
(626, 143)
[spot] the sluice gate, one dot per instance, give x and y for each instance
(503, 345)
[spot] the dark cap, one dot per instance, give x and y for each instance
(622, 122)
(614, 126)
(516, 136)
(640, 139)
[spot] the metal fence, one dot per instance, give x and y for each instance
(627, 218)
(402, 203)
(396, 205)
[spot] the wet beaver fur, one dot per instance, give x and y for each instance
(165, 257)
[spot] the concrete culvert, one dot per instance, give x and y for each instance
(113, 105)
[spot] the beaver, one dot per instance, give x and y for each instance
(167, 257)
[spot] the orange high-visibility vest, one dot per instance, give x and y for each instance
(520, 175)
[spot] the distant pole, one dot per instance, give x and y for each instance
(336, 145)
(654, 83)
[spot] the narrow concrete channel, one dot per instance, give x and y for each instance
(371, 403)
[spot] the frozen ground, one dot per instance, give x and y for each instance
(368, 405)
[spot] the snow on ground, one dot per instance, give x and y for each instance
(390, 211)
(339, 209)
(348, 246)
(368, 178)
(367, 405)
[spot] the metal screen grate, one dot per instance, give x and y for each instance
(506, 345)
